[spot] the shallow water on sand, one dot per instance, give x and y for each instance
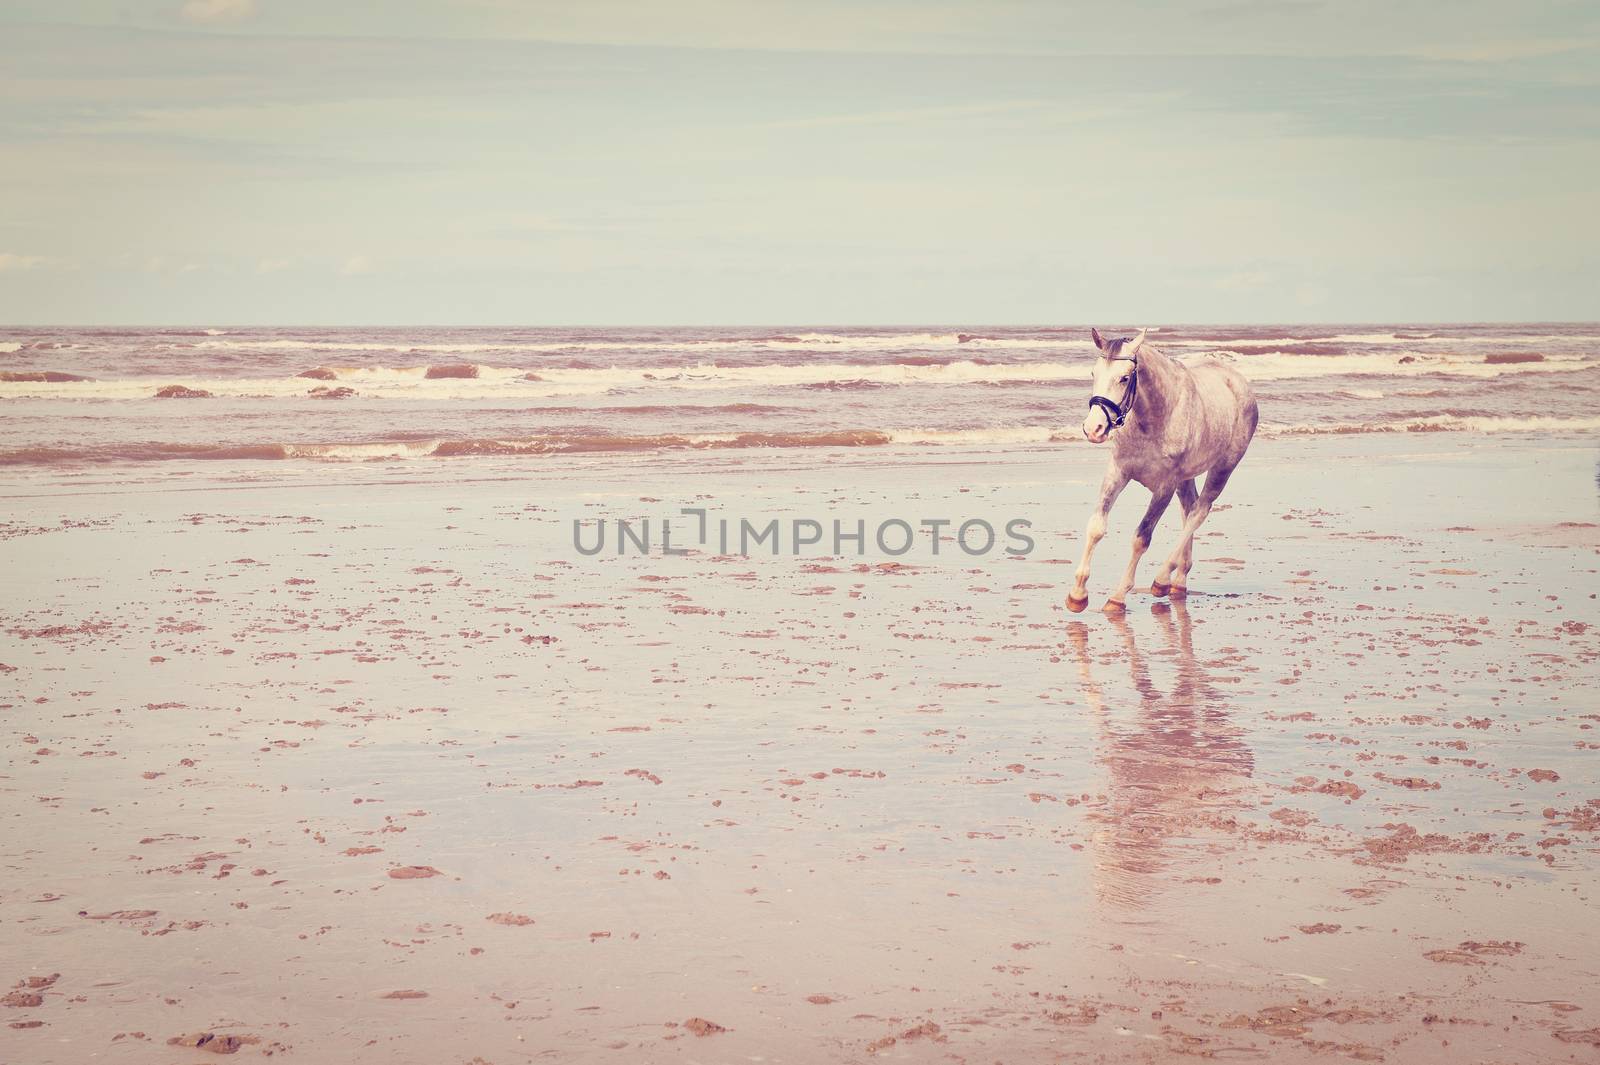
(368, 764)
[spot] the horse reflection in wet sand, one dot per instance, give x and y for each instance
(1175, 768)
(1168, 423)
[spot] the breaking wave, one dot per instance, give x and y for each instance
(479, 381)
(1441, 423)
(557, 444)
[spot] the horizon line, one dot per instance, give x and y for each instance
(791, 324)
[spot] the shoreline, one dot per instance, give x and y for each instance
(895, 442)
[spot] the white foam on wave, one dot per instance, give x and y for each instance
(412, 375)
(1424, 336)
(1265, 366)
(712, 376)
(1366, 338)
(1402, 336)
(773, 342)
(986, 438)
(511, 383)
(918, 341)
(1041, 434)
(1283, 366)
(365, 345)
(361, 452)
(554, 445)
(1440, 424)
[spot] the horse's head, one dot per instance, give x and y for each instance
(1116, 383)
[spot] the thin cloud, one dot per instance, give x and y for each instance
(527, 224)
(1244, 281)
(12, 261)
(356, 264)
(1502, 51)
(1310, 295)
(905, 115)
(215, 11)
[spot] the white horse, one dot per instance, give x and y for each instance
(1168, 423)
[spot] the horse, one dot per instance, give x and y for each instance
(1168, 423)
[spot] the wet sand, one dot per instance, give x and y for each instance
(366, 764)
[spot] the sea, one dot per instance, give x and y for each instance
(93, 396)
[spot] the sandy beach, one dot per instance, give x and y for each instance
(366, 763)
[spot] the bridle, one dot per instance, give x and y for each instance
(1117, 413)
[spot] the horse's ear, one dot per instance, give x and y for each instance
(1132, 347)
(1099, 341)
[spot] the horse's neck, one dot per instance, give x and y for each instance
(1161, 387)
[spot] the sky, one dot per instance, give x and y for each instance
(214, 162)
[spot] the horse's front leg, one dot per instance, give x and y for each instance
(1110, 488)
(1141, 543)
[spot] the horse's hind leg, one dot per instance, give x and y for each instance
(1141, 543)
(1183, 552)
(1180, 576)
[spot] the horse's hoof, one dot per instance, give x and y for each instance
(1077, 605)
(1179, 592)
(1113, 606)
(1158, 588)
